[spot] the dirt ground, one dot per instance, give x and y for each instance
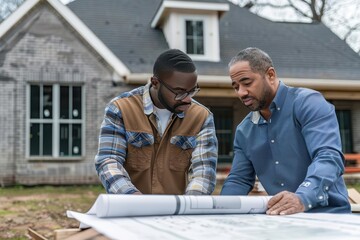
(42, 208)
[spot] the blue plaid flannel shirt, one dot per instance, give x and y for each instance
(112, 149)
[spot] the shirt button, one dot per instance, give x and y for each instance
(321, 197)
(326, 188)
(277, 162)
(272, 141)
(278, 109)
(310, 206)
(282, 184)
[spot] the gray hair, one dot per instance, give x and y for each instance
(259, 60)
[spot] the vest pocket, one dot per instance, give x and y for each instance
(181, 152)
(139, 151)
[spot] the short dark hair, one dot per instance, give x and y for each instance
(173, 60)
(259, 60)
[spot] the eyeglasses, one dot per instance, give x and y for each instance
(181, 95)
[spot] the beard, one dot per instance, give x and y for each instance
(167, 105)
(261, 103)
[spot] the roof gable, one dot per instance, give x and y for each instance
(120, 70)
(169, 5)
(192, 27)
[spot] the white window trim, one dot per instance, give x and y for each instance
(211, 36)
(56, 124)
(199, 6)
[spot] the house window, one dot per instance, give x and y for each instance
(56, 121)
(194, 37)
(41, 122)
(344, 119)
(223, 118)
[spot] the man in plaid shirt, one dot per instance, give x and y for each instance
(156, 139)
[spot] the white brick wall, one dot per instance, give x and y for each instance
(46, 51)
(7, 141)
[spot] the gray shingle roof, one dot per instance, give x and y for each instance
(298, 50)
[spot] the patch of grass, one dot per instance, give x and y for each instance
(5, 212)
(42, 208)
(29, 190)
(19, 238)
(354, 185)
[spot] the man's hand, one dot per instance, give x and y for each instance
(285, 203)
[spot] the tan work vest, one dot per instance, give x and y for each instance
(160, 167)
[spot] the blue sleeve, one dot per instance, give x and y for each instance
(241, 178)
(320, 130)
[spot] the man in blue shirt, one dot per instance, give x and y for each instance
(290, 141)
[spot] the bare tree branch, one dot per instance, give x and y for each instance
(351, 30)
(7, 7)
(342, 17)
(299, 11)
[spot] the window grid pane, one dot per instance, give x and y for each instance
(34, 139)
(76, 111)
(198, 29)
(69, 126)
(223, 118)
(76, 139)
(35, 101)
(64, 102)
(47, 102)
(344, 119)
(64, 140)
(189, 46)
(47, 139)
(194, 37)
(200, 47)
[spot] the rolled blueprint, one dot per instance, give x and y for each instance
(126, 205)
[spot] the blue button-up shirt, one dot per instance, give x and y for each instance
(297, 150)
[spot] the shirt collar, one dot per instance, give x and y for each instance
(280, 96)
(148, 104)
(277, 102)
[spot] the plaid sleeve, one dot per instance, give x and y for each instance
(112, 153)
(202, 174)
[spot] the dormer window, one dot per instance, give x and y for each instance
(192, 27)
(195, 34)
(194, 37)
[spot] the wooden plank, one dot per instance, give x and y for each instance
(354, 196)
(352, 169)
(34, 235)
(87, 234)
(61, 234)
(352, 162)
(355, 208)
(352, 156)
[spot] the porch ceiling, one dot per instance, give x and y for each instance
(220, 86)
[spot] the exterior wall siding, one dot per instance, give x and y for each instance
(7, 129)
(45, 50)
